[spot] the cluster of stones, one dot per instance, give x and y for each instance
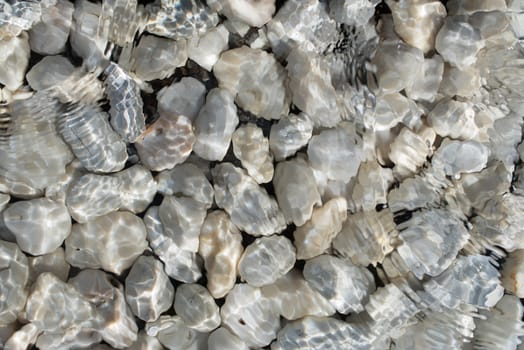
(322, 175)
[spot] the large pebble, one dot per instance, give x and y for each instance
(14, 58)
(215, 125)
(182, 218)
(250, 316)
(205, 50)
(293, 298)
(196, 307)
(335, 152)
(256, 79)
(290, 134)
(315, 236)
(118, 326)
(39, 225)
(266, 260)
(256, 13)
(458, 42)
(344, 285)
(297, 205)
(221, 248)
(185, 97)
(157, 58)
(49, 71)
(180, 264)
(49, 35)
(166, 143)
(111, 242)
(13, 279)
(222, 338)
(149, 292)
(250, 207)
(252, 149)
(186, 179)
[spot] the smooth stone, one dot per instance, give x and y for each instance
(40, 225)
(311, 88)
(85, 40)
(50, 34)
(389, 310)
(470, 280)
(166, 143)
(256, 80)
(173, 333)
(315, 236)
(417, 23)
(188, 180)
(23, 338)
(489, 23)
(222, 338)
(366, 237)
(463, 82)
(123, 93)
(371, 187)
(182, 219)
(197, 308)
(137, 188)
(221, 248)
(215, 124)
(59, 190)
(185, 20)
(454, 119)
(346, 286)
(25, 171)
(148, 291)
(426, 87)
(53, 262)
(304, 334)
(92, 196)
(14, 59)
(266, 260)
(157, 58)
(290, 178)
(250, 316)
(356, 12)
(118, 326)
(4, 200)
(303, 24)
(206, 49)
(457, 157)
(185, 97)
(13, 281)
(49, 306)
(293, 298)
(146, 342)
(49, 71)
(409, 150)
(111, 242)
(252, 149)
(460, 7)
(290, 134)
(513, 273)
(248, 204)
(179, 264)
(391, 109)
(431, 240)
(458, 42)
(399, 66)
(86, 129)
(335, 152)
(500, 326)
(255, 13)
